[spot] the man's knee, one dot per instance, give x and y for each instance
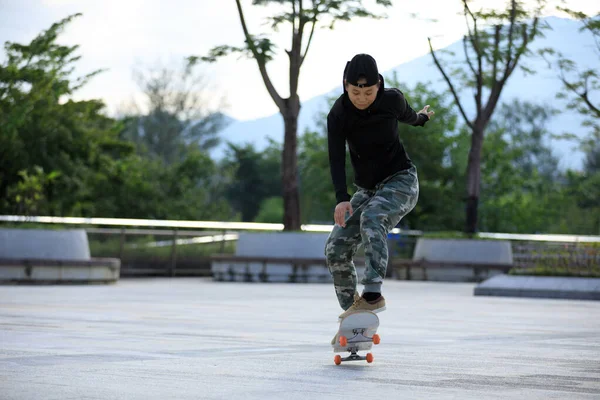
(374, 225)
(336, 252)
(340, 248)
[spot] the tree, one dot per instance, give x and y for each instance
(64, 157)
(254, 177)
(177, 117)
(50, 145)
(589, 183)
(520, 179)
(303, 20)
(582, 87)
(581, 83)
(491, 56)
(139, 186)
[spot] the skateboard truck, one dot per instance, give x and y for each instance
(354, 349)
(354, 356)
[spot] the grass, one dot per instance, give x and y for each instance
(137, 248)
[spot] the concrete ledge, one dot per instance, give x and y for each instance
(274, 257)
(281, 244)
(40, 271)
(540, 287)
(464, 251)
(457, 260)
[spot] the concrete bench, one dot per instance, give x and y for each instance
(40, 256)
(276, 257)
(455, 260)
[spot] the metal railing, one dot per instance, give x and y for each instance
(185, 247)
(241, 226)
(177, 224)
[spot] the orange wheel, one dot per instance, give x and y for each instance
(376, 339)
(337, 359)
(369, 357)
(343, 341)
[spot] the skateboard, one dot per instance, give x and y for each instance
(357, 333)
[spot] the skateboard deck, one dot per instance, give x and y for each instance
(357, 332)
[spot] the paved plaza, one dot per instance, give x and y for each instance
(191, 338)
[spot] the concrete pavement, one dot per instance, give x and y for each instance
(198, 339)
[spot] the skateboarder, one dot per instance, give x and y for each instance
(366, 118)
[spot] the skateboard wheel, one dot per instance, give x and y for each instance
(343, 341)
(376, 339)
(369, 357)
(337, 359)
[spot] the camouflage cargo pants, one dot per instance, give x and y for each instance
(375, 213)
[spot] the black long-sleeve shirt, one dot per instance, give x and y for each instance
(372, 136)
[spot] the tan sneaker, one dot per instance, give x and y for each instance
(361, 304)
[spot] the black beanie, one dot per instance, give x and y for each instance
(361, 65)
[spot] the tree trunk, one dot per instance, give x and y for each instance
(474, 179)
(289, 162)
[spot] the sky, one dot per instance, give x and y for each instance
(121, 35)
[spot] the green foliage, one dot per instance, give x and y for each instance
(65, 157)
(141, 248)
(523, 191)
(519, 172)
(29, 194)
(271, 211)
(141, 187)
(548, 259)
(255, 176)
(42, 127)
(582, 194)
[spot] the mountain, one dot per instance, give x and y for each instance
(540, 88)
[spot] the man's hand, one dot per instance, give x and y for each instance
(340, 213)
(426, 111)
